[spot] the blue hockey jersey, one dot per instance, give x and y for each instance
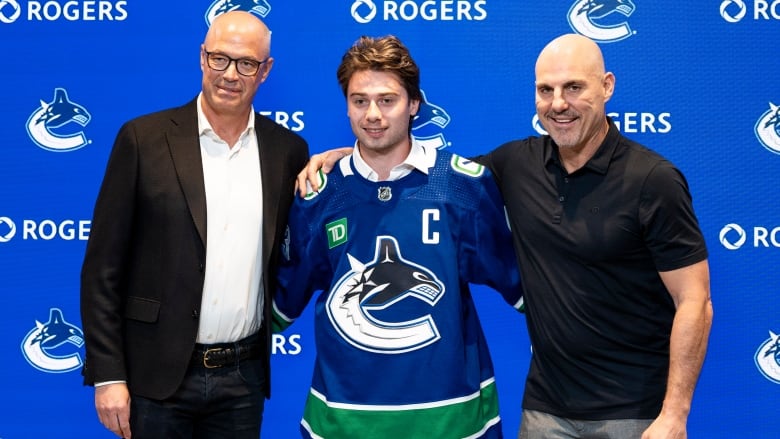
(400, 350)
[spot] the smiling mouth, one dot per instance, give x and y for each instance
(374, 131)
(561, 119)
(228, 89)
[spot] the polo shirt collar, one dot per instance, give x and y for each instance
(601, 159)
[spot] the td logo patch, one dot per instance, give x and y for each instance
(337, 232)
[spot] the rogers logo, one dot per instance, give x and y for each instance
(365, 11)
(734, 11)
(44, 230)
(72, 10)
(9, 11)
(733, 236)
(7, 229)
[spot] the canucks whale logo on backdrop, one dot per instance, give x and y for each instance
(257, 7)
(51, 125)
(370, 305)
(768, 128)
(428, 123)
(603, 21)
(53, 346)
(768, 358)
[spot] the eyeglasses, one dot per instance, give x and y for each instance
(245, 66)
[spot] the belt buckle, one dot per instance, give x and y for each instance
(205, 358)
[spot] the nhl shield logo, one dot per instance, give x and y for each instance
(384, 193)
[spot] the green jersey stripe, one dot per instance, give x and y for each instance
(444, 419)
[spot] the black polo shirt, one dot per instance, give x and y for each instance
(590, 245)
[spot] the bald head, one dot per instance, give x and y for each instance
(572, 50)
(241, 41)
(242, 25)
(571, 90)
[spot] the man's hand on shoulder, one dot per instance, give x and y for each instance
(323, 161)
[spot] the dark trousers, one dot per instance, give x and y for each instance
(538, 425)
(225, 402)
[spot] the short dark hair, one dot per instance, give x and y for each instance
(381, 54)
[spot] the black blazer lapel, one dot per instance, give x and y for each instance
(184, 144)
(271, 176)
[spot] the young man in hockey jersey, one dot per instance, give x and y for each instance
(392, 239)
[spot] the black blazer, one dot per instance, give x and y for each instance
(142, 277)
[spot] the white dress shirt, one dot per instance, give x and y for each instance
(232, 303)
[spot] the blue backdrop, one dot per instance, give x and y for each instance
(693, 82)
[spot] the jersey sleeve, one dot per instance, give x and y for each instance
(301, 266)
(489, 252)
(496, 160)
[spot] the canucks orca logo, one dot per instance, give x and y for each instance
(768, 358)
(45, 122)
(365, 304)
(42, 345)
(428, 123)
(257, 7)
(768, 128)
(602, 20)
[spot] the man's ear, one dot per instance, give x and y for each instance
(265, 69)
(414, 107)
(609, 85)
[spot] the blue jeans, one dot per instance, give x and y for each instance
(221, 403)
(538, 425)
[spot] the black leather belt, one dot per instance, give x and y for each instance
(224, 354)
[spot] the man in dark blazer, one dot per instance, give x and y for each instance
(181, 259)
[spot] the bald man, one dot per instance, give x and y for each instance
(613, 262)
(182, 253)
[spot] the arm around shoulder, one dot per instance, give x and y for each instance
(309, 176)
